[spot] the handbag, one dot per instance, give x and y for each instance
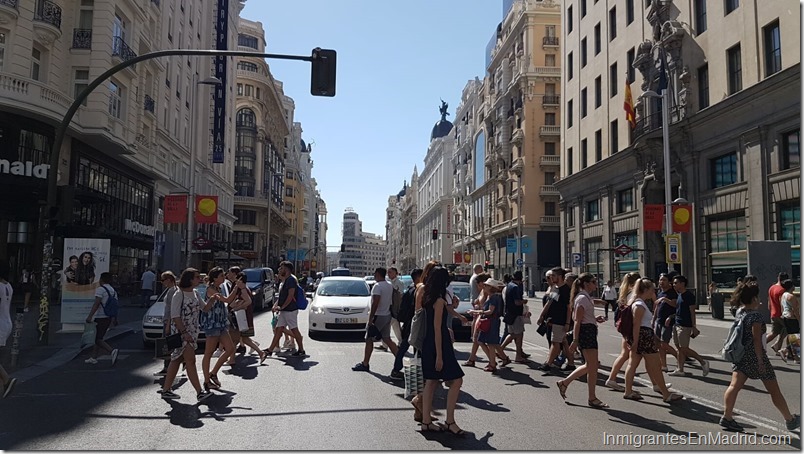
(414, 376)
(792, 325)
(526, 314)
(542, 329)
(88, 337)
(373, 332)
(484, 325)
(164, 347)
(242, 321)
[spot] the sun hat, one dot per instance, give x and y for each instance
(495, 283)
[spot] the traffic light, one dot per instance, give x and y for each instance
(435, 234)
(486, 266)
(322, 78)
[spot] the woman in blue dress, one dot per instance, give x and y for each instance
(490, 339)
(438, 356)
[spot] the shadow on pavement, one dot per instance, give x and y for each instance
(297, 363)
(518, 378)
(465, 443)
(637, 420)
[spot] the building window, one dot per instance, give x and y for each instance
(245, 217)
(773, 49)
(2, 49)
(288, 191)
(550, 60)
(597, 38)
(247, 41)
(583, 9)
(790, 224)
(625, 200)
(570, 66)
(549, 178)
(598, 145)
(239, 89)
(700, 16)
(593, 210)
(731, 5)
(244, 188)
(630, 65)
(569, 114)
(550, 119)
(549, 208)
(735, 70)
(613, 80)
(583, 103)
(247, 66)
(612, 23)
(629, 12)
(583, 52)
(614, 135)
(36, 63)
(569, 161)
(724, 170)
(598, 90)
(243, 241)
(727, 234)
(249, 90)
(584, 159)
(549, 148)
(569, 20)
(115, 100)
(591, 247)
(570, 216)
(791, 151)
(80, 82)
(703, 87)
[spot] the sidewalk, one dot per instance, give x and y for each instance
(35, 359)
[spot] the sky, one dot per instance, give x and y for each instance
(396, 60)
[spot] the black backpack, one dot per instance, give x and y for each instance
(408, 305)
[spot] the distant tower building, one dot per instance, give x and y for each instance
(362, 251)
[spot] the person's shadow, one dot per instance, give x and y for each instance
(469, 441)
(184, 415)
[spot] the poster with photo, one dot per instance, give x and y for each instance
(84, 261)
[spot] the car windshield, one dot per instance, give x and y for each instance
(406, 279)
(253, 275)
(461, 291)
(342, 288)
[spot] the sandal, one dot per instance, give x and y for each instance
(431, 427)
(505, 361)
(469, 363)
(417, 413)
(263, 357)
(491, 369)
(214, 379)
(673, 397)
(208, 386)
(633, 396)
(562, 389)
(448, 427)
(596, 403)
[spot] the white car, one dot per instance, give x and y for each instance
(153, 326)
(340, 305)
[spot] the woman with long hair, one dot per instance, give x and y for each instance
(477, 304)
(215, 323)
(85, 272)
(626, 290)
(755, 363)
(438, 356)
(492, 310)
(242, 302)
(586, 338)
(185, 309)
(643, 344)
(416, 401)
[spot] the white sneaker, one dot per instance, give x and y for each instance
(217, 353)
(656, 388)
(614, 385)
(115, 352)
(705, 368)
(91, 361)
(677, 373)
(289, 344)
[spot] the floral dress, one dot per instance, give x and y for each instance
(749, 364)
(189, 312)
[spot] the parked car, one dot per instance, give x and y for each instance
(341, 305)
(462, 291)
(340, 271)
(153, 320)
(370, 281)
(406, 279)
(257, 280)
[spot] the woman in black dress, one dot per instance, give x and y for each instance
(438, 356)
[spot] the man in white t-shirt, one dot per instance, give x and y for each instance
(379, 324)
(102, 321)
(148, 280)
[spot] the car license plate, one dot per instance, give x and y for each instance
(345, 320)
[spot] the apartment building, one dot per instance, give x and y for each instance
(130, 142)
(732, 70)
(362, 252)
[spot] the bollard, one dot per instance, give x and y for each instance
(15, 338)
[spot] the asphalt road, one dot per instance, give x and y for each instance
(318, 403)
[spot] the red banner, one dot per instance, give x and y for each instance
(457, 257)
(206, 209)
(175, 209)
(653, 217)
(682, 218)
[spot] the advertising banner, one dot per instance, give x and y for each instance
(653, 218)
(219, 115)
(84, 259)
(206, 209)
(682, 218)
(175, 209)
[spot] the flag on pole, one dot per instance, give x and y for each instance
(628, 105)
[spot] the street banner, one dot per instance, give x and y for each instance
(206, 209)
(219, 114)
(682, 218)
(175, 209)
(467, 257)
(526, 245)
(457, 257)
(653, 217)
(85, 259)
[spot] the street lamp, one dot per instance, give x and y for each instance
(193, 145)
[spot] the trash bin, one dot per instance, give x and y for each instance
(716, 303)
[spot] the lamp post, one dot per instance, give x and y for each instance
(193, 146)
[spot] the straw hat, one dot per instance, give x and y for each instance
(495, 283)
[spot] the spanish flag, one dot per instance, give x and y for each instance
(628, 105)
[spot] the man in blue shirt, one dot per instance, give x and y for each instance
(514, 315)
(685, 328)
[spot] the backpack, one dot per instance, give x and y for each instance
(733, 348)
(625, 322)
(301, 298)
(112, 306)
(396, 303)
(407, 305)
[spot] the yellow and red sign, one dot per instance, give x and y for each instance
(206, 209)
(175, 209)
(682, 218)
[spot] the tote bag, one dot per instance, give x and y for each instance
(414, 376)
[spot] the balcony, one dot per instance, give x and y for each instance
(550, 41)
(550, 221)
(550, 160)
(547, 71)
(82, 38)
(121, 50)
(548, 190)
(8, 11)
(149, 104)
(47, 22)
(517, 166)
(550, 131)
(653, 122)
(33, 95)
(518, 136)
(551, 100)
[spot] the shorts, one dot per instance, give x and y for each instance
(559, 334)
(290, 319)
(383, 324)
(217, 332)
(778, 327)
(682, 336)
(587, 340)
(518, 327)
(646, 344)
(664, 333)
(101, 326)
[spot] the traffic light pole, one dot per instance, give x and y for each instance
(322, 59)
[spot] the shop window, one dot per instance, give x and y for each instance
(591, 248)
(625, 200)
(727, 234)
(791, 149)
(723, 170)
(790, 224)
(593, 210)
